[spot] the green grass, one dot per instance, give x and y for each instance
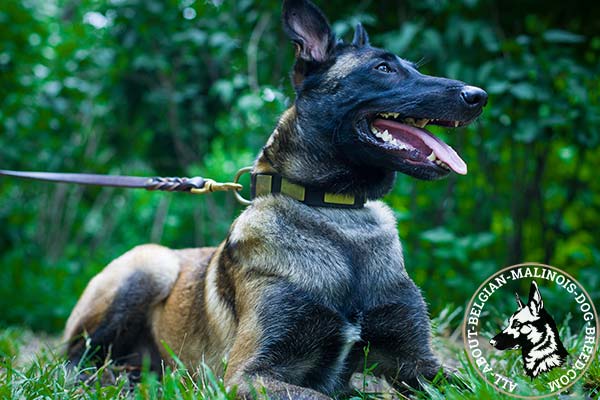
(38, 371)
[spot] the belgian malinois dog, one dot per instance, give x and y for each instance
(313, 270)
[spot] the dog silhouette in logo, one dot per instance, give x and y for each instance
(532, 330)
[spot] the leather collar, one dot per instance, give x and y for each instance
(264, 184)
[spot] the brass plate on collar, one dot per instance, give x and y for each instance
(333, 198)
(294, 191)
(263, 184)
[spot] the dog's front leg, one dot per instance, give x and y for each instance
(257, 375)
(400, 342)
(289, 346)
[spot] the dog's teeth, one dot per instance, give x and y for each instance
(409, 121)
(374, 130)
(386, 136)
(441, 164)
(456, 123)
(421, 123)
(388, 115)
(431, 157)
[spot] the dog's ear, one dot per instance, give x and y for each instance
(308, 28)
(535, 302)
(519, 302)
(361, 38)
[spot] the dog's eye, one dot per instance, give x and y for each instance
(384, 67)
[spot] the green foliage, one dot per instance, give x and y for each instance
(9, 343)
(47, 375)
(184, 87)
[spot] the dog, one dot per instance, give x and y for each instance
(532, 330)
(312, 271)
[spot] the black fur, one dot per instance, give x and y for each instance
(337, 96)
(124, 334)
(361, 38)
(300, 332)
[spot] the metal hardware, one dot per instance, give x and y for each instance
(213, 186)
(236, 178)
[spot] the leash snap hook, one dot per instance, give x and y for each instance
(213, 186)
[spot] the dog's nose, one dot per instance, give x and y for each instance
(492, 342)
(474, 96)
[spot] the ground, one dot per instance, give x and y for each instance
(32, 366)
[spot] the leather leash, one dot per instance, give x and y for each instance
(195, 185)
(261, 185)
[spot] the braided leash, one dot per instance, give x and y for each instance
(175, 184)
(195, 185)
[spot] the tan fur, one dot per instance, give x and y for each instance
(181, 322)
(159, 262)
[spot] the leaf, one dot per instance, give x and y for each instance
(562, 36)
(399, 41)
(498, 87)
(523, 91)
(438, 235)
(527, 131)
(481, 240)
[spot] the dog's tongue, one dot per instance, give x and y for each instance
(413, 135)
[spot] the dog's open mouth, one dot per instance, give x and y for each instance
(406, 135)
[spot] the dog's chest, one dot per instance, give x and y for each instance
(338, 255)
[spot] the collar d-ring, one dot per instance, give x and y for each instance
(236, 178)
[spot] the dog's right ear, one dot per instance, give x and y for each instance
(311, 33)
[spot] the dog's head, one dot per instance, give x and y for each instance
(370, 105)
(526, 326)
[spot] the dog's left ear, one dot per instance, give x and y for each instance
(361, 38)
(308, 28)
(535, 302)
